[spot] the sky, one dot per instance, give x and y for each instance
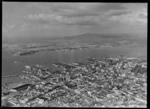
(20, 19)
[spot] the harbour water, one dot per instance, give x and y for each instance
(12, 65)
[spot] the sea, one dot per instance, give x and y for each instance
(12, 65)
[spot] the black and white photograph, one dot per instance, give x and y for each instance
(81, 54)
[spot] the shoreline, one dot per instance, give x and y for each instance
(10, 76)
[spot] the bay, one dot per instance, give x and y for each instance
(12, 65)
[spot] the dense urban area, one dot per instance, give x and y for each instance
(106, 82)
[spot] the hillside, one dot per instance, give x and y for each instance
(86, 37)
(91, 36)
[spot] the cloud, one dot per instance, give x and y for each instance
(142, 15)
(52, 19)
(119, 13)
(45, 19)
(80, 14)
(10, 26)
(78, 9)
(132, 18)
(82, 23)
(75, 14)
(72, 17)
(88, 9)
(109, 6)
(24, 26)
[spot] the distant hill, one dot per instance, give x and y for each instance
(90, 37)
(95, 36)
(81, 37)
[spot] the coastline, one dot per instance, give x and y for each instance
(10, 76)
